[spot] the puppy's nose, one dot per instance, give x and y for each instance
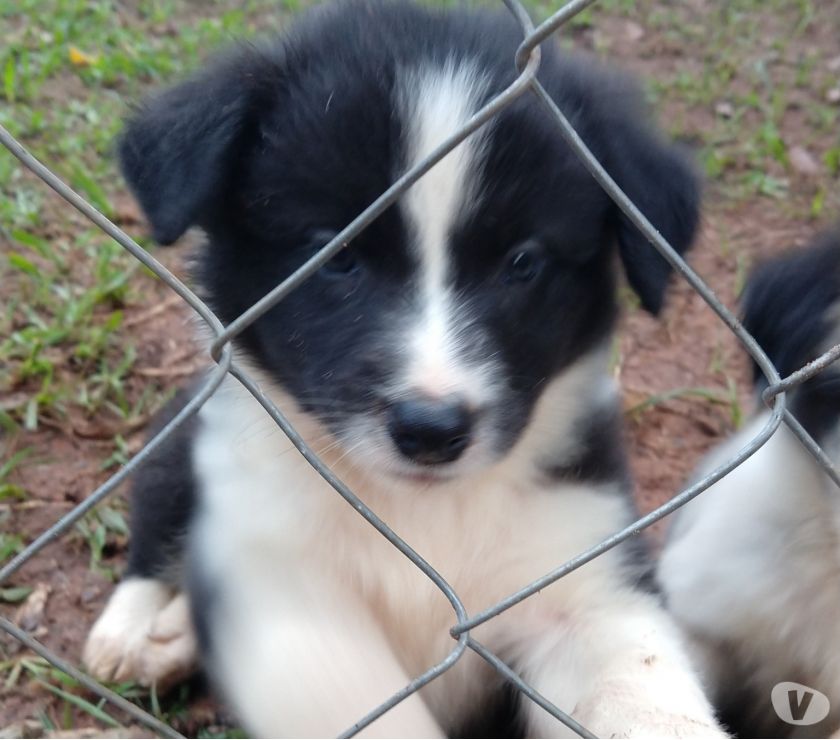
(430, 431)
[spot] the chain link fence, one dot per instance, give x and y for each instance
(527, 62)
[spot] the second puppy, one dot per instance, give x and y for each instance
(752, 566)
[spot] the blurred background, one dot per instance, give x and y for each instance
(91, 344)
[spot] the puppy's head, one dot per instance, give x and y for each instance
(424, 345)
(791, 306)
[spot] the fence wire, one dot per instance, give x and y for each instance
(527, 61)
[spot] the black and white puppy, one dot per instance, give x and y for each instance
(451, 366)
(752, 566)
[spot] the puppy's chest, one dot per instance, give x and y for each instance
(485, 539)
(488, 537)
(486, 544)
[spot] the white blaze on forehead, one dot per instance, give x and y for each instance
(435, 104)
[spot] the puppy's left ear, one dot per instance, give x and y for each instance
(660, 179)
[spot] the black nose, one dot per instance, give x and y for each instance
(430, 431)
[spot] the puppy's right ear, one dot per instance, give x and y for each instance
(177, 150)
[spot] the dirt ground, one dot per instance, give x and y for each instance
(685, 380)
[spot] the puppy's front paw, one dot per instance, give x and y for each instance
(170, 652)
(609, 716)
(144, 635)
(673, 725)
(662, 726)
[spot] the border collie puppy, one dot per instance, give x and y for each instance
(752, 566)
(451, 366)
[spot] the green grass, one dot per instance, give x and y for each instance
(69, 69)
(76, 701)
(727, 398)
(102, 528)
(9, 489)
(10, 543)
(755, 75)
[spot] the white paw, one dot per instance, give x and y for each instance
(653, 724)
(681, 727)
(144, 635)
(620, 712)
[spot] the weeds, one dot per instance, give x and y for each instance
(37, 672)
(69, 68)
(104, 527)
(727, 398)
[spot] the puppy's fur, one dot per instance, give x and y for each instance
(479, 308)
(752, 566)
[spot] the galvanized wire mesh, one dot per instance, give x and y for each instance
(527, 61)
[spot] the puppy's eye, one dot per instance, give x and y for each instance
(343, 264)
(524, 263)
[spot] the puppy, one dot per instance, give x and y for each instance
(450, 365)
(752, 566)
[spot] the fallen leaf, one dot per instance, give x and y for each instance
(31, 612)
(724, 109)
(79, 58)
(802, 161)
(633, 31)
(14, 594)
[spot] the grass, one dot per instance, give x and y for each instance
(727, 397)
(104, 527)
(753, 79)
(68, 71)
(7, 467)
(36, 671)
(10, 543)
(69, 68)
